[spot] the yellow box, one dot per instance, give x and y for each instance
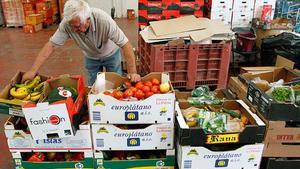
(34, 19)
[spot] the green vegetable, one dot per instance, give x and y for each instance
(231, 113)
(282, 94)
(200, 91)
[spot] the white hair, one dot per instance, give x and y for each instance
(77, 8)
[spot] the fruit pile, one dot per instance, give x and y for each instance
(28, 91)
(139, 91)
(55, 156)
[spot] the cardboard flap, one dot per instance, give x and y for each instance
(283, 62)
(177, 25)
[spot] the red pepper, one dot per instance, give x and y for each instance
(78, 157)
(37, 157)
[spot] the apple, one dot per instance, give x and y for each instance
(164, 87)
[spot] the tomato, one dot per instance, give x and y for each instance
(107, 93)
(128, 93)
(148, 83)
(139, 94)
(117, 94)
(146, 89)
(133, 89)
(155, 81)
(155, 89)
(139, 85)
(148, 94)
(128, 84)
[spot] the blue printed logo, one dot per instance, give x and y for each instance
(222, 163)
(131, 142)
(131, 116)
(79, 166)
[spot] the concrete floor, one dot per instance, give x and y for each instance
(18, 51)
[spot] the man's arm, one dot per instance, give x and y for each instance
(39, 61)
(130, 62)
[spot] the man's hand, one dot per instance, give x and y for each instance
(134, 77)
(28, 76)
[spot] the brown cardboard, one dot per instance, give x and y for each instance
(177, 25)
(278, 133)
(13, 107)
(237, 88)
(283, 62)
(280, 63)
(281, 150)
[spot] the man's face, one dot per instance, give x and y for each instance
(79, 27)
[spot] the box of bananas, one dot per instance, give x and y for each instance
(16, 94)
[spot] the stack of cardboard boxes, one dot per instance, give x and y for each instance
(49, 136)
(130, 134)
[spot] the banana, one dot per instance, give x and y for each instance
(27, 98)
(35, 94)
(39, 87)
(33, 83)
(20, 93)
(35, 98)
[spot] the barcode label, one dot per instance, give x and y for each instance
(100, 142)
(16, 112)
(96, 116)
(187, 164)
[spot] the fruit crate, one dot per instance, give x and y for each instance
(189, 66)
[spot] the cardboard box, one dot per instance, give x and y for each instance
(27, 13)
(32, 28)
(55, 120)
(237, 88)
(34, 19)
(87, 163)
(221, 6)
(13, 107)
(268, 107)
(43, 5)
(242, 19)
(154, 136)
(158, 108)
(225, 17)
(247, 157)
(243, 5)
(280, 163)
(20, 141)
(196, 136)
(28, 6)
(159, 163)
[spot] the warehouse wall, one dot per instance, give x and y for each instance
(121, 6)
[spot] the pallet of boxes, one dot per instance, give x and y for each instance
(132, 123)
(49, 127)
(218, 133)
(276, 100)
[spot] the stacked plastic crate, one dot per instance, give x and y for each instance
(13, 13)
(129, 134)
(153, 10)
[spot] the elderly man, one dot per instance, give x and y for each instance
(97, 35)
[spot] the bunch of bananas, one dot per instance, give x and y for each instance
(28, 91)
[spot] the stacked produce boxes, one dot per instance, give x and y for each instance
(276, 100)
(132, 133)
(43, 135)
(214, 134)
(13, 13)
(153, 10)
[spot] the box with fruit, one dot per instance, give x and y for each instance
(231, 122)
(50, 160)
(133, 136)
(52, 116)
(163, 159)
(117, 101)
(16, 94)
(19, 138)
